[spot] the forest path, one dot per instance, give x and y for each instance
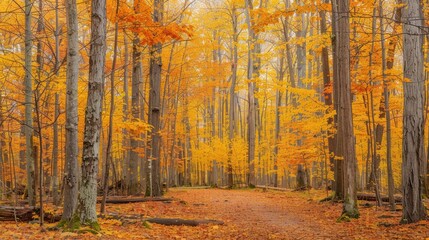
(273, 214)
(255, 214)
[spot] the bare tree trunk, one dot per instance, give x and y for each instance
(390, 181)
(91, 142)
(280, 77)
(327, 96)
(376, 134)
(125, 110)
(109, 157)
(232, 111)
(154, 105)
(71, 164)
(338, 164)
(343, 99)
(251, 119)
(413, 154)
(55, 194)
(38, 101)
(133, 187)
(29, 106)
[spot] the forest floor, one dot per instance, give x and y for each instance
(247, 214)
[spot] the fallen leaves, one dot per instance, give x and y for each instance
(247, 214)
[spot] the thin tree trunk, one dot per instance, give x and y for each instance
(327, 96)
(55, 153)
(376, 134)
(29, 106)
(125, 110)
(109, 157)
(232, 109)
(135, 111)
(70, 183)
(390, 181)
(37, 101)
(251, 119)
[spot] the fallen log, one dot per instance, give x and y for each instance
(182, 222)
(368, 197)
(372, 197)
(274, 188)
(134, 218)
(10, 213)
(123, 200)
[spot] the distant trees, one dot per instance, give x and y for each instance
(264, 91)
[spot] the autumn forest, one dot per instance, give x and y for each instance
(193, 119)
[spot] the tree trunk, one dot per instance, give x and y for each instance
(71, 163)
(109, 157)
(251, 120)
(155, 104)
(390, 181)
(133, 187)
(413, 129)
(91, 142)
(343, 98)
(29, 106)
(232, 109)
(327, 96)
(55, 194)
(125, 110)
(338, 163)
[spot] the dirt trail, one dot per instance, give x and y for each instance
(270, 215)
(254, 214)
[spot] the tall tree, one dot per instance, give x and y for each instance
(232, 110)
(155, 104)
(345, 135)
(413, 155)
(55, 194)
(29, 105)
(71, 163)
(135, 111)
(91, 142)
(338, 163)
(109, 157)
(251, 120)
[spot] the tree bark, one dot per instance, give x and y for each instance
(71, 163)
(390, 181)
(232, 109)
(338, 163)
(251, 119)
(109, 157)
(91, 142)
(133, 187)
(55, 194)
(29, 105)
(343, 98)
(413, 154)
(155, 105)
(125, 112)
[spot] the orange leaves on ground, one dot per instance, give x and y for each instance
(269, 215)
